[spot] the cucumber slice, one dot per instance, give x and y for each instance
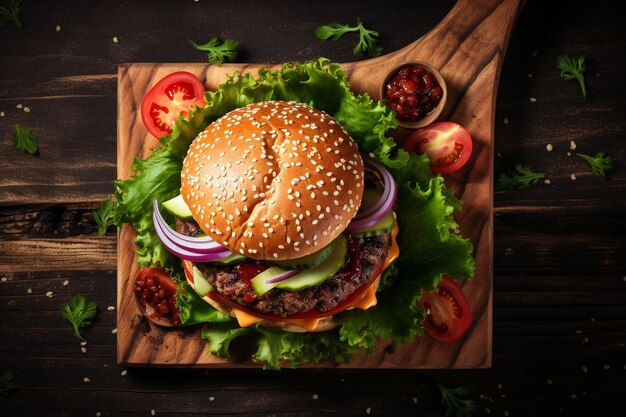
(310, 261)
(315, 276)
(178, 208)
(259, 282)
(200, 283)
(233, 258)
(384, 225)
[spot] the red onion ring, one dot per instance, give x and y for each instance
(282, 277)
(193, 244)
(191, 251)
(374, 214)
(185, 254)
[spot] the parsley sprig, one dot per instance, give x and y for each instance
(368, 39)
(219, 52)
(78, 312)
(455, 404)
(572, 69)
(520, 178)
(11, 13)
(25, 139)
(6, 383)
(103, 216)
(600, 163)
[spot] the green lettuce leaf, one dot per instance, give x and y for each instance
(429, 247)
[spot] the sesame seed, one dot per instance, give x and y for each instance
(532, 99)
(573, 177)
(111, 308)
(83, 349)
(315, 396)
(153, 412)
(19, 106)
(49, 294)
(58, 28)
(30, 290)
(211, 398)
(368, 410)
(66, 283)
(584, 369)
(124, 372)
(83, 343)
(86, 380)
(607, 366)
(26, 109)
(549, 147)
(114, 331)
(116, 39)
(572, 145)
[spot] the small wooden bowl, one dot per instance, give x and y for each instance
(434, 114)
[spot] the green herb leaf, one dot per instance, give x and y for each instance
(520, 178)
(368, 39)
(103, 216)
(572, 69)
(6, 383)
(219, 52)
(11, 13)
(78, 312)
(600, 163)
(25, 139)
(455, 404)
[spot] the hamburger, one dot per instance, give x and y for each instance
(280, 219)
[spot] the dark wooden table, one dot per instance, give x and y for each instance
(559, 248)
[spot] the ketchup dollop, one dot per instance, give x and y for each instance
(413, 92)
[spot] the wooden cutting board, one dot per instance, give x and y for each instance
(468, 46)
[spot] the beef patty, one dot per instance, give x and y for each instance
(371, 252)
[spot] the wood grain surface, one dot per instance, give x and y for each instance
(468, 47)
(559, 253)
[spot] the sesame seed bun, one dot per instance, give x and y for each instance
(273, 180)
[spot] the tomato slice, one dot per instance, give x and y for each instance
(448, 315)
(449, 145)
(174, 95)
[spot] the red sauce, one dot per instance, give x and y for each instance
(156, 289)
(247, 270)
(413, 92)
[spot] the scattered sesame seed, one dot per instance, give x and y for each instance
(534, 54)
(414, 400)
(573, 396)
(211, 398)
(111, 308)
(153, 412)
(83, 349)
(19, 106)
(86, 380)
(26, 109)
(1, 114)
(607, 366)
(549, 147)
(66, 283)
(98, 414)
(124, 372)
(315, 396)
(573, 177)
(549, 381)
(546, 181)
(83, 343)
(368, 410)
(506, 120)
(30, 290)
(506, 413)
(487, 410)
(4, 279)
(49, 294)
(572, 145)
(500, 386)
(116, 39)
(569, 154)
(584, 369)
(532, 99)
(58, 28)
(530, 75)
(114, 331)
(585, 340)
